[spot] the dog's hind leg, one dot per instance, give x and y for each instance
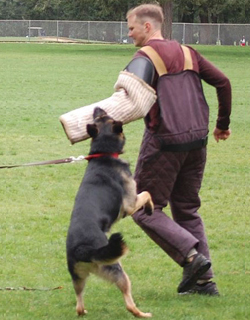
(79, 285)
(115, 274)
(143, 199)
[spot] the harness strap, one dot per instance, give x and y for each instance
(159, 64)
(156, 59)
(188, 64)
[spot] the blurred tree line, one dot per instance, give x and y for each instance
(190, 11)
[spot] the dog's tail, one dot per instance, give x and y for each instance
(112, 252)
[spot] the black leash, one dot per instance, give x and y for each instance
(30, 289)
(42, 163)
(60, 161)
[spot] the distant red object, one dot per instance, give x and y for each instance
(243, 42)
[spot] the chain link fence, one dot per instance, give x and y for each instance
(116, 32)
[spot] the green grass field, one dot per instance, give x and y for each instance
(39, 82)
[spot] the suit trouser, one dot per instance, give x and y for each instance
(174, 178)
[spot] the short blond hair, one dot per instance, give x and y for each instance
(144, 11)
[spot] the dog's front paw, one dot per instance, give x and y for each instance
(149, 208)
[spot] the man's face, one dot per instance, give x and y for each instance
(137, 31)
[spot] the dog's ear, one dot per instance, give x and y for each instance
(98, 112)
(92, 130)
(117, 127)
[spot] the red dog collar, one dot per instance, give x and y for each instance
(99, 155)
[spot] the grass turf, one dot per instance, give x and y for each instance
(39, 82)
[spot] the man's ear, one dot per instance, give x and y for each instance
(117, 127)
(148, 26)
(92, 130)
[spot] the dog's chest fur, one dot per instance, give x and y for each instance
(115, 178)
(106, 194)
(128, 201)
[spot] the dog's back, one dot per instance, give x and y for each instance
(107, 193)
(99, 198)
(97, 206)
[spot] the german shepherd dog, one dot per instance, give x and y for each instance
(106, 194)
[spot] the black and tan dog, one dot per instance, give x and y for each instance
(107, 193)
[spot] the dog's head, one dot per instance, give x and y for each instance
(106, 133)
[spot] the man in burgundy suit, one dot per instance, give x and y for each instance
(173, 151)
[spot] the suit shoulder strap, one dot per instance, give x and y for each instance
(188, 62)
(156, 59)
(159, 64)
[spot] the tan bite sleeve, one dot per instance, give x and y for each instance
(131, 100)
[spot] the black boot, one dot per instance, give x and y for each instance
(192, 271)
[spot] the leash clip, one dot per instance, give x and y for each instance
(75, 159)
